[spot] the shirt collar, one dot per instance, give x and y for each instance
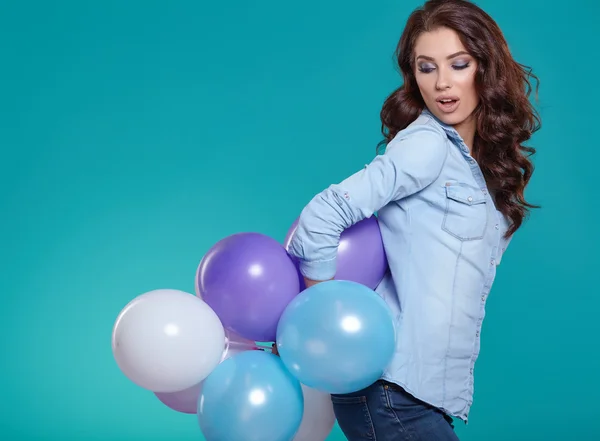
(450, 131)
(447, 128)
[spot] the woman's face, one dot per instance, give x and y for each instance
(445, 74)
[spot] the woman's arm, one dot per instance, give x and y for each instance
(412, 161)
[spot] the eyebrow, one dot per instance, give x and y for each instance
(449, 57)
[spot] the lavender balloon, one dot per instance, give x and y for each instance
(360, 258)
(186, 401)
(248, 279)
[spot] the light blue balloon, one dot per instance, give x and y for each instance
(337, 336)
(250, 397)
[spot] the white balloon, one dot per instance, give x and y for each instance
(167, 340)
(318, 418)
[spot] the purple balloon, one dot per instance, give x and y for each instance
(360, 258)
(248, 279)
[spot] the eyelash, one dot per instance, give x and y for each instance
(429, 70)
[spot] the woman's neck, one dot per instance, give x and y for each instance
(466, 130)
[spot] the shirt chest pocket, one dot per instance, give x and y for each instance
(465, 215)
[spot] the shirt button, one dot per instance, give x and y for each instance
(483, 298)
(470, 199)
(492, 262)
(477, 334)
(497, 226)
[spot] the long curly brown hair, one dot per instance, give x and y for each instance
(505, 117)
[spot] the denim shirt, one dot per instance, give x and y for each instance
(443, 238)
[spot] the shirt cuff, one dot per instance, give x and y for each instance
(318, 270)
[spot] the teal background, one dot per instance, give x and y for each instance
(136, 134)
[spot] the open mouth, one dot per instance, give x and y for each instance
(447, 104)
(447, 101)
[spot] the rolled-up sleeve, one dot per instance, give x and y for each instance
(412, 161)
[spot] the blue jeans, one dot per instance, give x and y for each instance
(385, 412)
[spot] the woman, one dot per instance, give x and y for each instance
(448, 192)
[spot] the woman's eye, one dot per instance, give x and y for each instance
(426, 68)
(460, 66)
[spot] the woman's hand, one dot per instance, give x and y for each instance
(308, 282)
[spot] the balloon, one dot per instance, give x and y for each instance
(232, 340)
(337, 336)
(248, 279)
(360, 256)
(167, 340)
(186, 401)
(318, 418)
(250, 397)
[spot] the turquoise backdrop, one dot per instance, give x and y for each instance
(136, 134)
